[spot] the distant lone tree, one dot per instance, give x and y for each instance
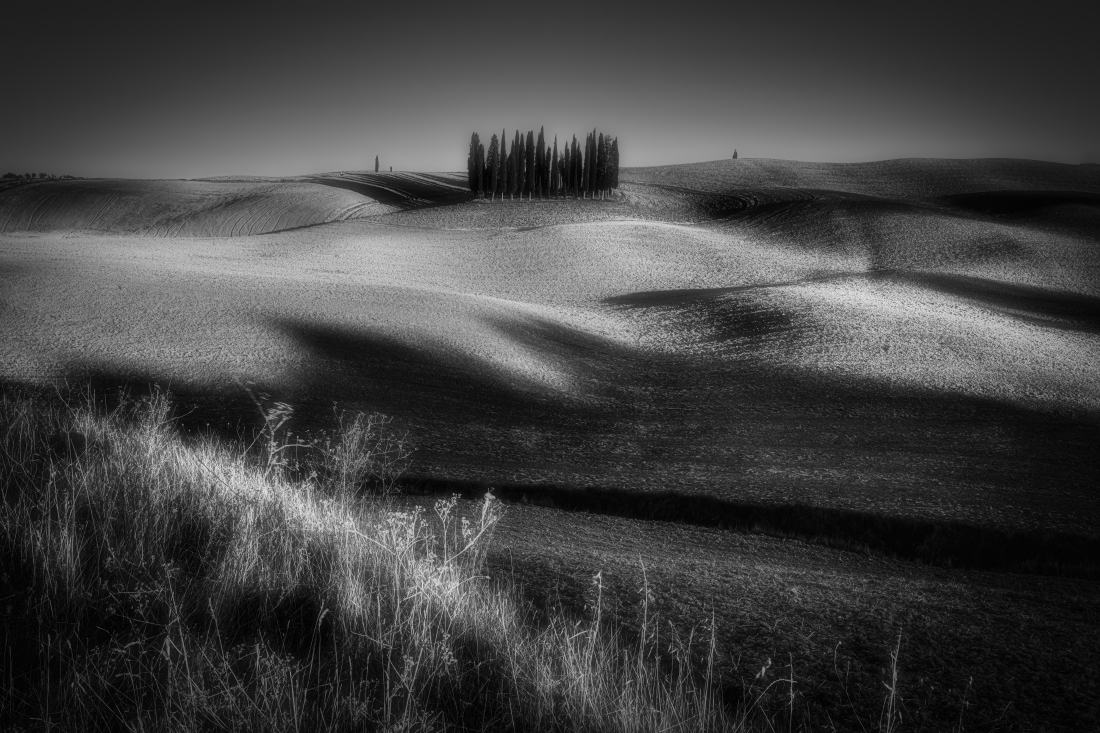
(376, 164)
(735, 153)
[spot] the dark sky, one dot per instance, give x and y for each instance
(180, 90)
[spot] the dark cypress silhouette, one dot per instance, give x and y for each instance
(540, 163)
(472, 167)
(601, 166)
(561, 171)
(735, 153)
(546, 174)
(502, 167)
(493, 165)
(537, 168)
(615, 163)
(584, 170)
(376, 164)
(575, 178)
(521, 165)
(570, 154)
(565, 163)
(513, 166)
(554, 180)
(480, 169)
(511, 187)
(590, 164)
(529, 177)
(592, 184)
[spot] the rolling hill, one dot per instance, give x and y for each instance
(871, 357)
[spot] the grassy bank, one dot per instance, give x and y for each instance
(152, 582)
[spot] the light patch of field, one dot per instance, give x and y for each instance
(890, 329)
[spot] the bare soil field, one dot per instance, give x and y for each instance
(889, 368)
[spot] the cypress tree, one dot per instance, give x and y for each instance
(601, 166)
(540, 162)
(521, 166)
(614, 164)
(592, 164)
(595, 162)
(493, 165)
(502, 167)
(376, 163)
(589, 164)
(513, 167)
(548, 173)
(480, 169)
(529, 177)
(574, 176)
(554, 180)
(584, 169)
(471, 164)
(576, 166)
(565, 162)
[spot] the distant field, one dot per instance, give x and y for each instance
(221, 207)
(908, 340)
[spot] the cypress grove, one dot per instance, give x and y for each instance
(538, 169)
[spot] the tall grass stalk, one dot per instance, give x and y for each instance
(152, 582)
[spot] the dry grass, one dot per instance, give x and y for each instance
(155, 583)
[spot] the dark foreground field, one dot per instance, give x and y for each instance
(824, 405)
